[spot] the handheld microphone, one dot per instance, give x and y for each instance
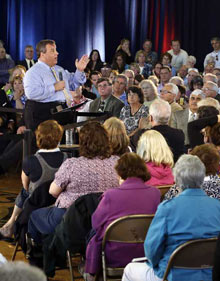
(60, 76)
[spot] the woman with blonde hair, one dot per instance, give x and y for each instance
(153, 148)
(117, 135)
(124, 49)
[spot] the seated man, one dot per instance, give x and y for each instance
(5, 66)
(180, 119)
(159, 113)
(106, 101)
(29, 61)
(211, 90)
(186, 217)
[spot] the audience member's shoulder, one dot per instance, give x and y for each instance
(116, 100)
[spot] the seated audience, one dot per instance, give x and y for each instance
(157, 69)
(39, 168)
(130, 75)
(95, 62)
(169, 93)
(182, 73)
(186, 217)
(6, 65)
(29, 61)
(132, 197)
(207, 116)
(123, 49)
(179, 56)
(135, 67)
(117, 136)
(153, 148)
(106, 70)
(94, 77)
(159, 115)
(180, 119)
(166, 59)
(210, 157)
(149, 91)
(146, 68)
(178, 81)
(165, 75)
(192, 73)
(112, 75)
(92, 172)
(119, 62)
(210, 77)
(211, 90)
(131, 114)
(151, 56)
(17, 96)
(191, 61)
(87, 90)
(137, 79)
(154, 79)
(107, 101)
(120, 84)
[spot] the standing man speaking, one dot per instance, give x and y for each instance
(47, 85)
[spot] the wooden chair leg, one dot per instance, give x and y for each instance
(70, 265)
(15, 251)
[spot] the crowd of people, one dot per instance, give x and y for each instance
(163, 129)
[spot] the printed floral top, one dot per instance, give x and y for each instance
(131, 121)
(211, 186)
(80, 176)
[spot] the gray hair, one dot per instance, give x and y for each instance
(178, 79)
(174, 88)
(214, 86)
(192, 59)
(121, 76)
(198, 92)
(128, 71)
(160, 110)
(209, 102)
(21, 271)
(189, 172)
(211, 77)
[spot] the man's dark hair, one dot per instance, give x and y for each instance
(102, 79)
(41, 46)
(215, 38)
(94, 73)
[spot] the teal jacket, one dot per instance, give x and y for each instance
(191, 215)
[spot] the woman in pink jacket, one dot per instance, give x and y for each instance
(153, 148)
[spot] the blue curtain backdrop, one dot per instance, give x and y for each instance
(78, 26)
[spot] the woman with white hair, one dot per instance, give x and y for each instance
(149, 91)
(153, 148)
(186, 217)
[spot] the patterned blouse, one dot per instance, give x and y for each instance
(131, 121)
(211, 186)
(80, 176)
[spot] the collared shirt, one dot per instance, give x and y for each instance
(28, 63)
(192, 116)
(216, 56)
(123, 98)
(39, 82)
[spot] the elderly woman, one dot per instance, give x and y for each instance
(146, 68)
(38, 168)
(131, 114)
(186, 217)
(210, 157)
(93, 171)
(153, 148)
(117, 135)
(149, 90)
(132, 197)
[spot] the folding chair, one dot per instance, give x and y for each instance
(194, 254)
(128, 229)
(163, 190)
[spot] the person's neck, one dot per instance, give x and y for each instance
(141, 64)
(135, 107)
(193, 110)
(105, 97)
(151, 97)
(176, 52)
(117, 94)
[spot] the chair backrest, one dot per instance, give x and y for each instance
(128, 229)
(194, 254)
(163, 190)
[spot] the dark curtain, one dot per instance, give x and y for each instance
(78, 26)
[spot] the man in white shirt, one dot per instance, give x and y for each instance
(179, 56)
(29, 61)
(215, 55)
